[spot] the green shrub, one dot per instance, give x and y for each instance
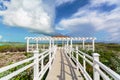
(10, 48)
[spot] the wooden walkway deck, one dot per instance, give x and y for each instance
(63, 68)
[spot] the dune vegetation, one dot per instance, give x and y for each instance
(14, 52)
(109, 55)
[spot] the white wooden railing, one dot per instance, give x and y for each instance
(99, 69)
(35, 61)
(39, 69)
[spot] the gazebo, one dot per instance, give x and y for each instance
(66, 40)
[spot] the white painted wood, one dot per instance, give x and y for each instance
(16, 72)
(77, 56)
(86, 59)
(84, 72)
(96, 75)
(42, 64)
(50, 51)
(93, 45)
(53, 42)
(15, 64)
(84, 62)
(36, 65)
(71, 42)
(93, 61)
(67, 71)
(83, 44)
(108, 70)
(27, 45)
(85, 55)
(67, 42)
(42, 72)
(103, 75)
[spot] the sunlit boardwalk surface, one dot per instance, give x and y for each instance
(63, 68)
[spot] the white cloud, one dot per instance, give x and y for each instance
(39, 15)
(76, 26)
(59, 2)
(35, 15)
(31, 14)
(1, 37)
(99, 2)
(97, 21)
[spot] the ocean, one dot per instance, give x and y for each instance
(1, 44)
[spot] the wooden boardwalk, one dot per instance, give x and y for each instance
(63, 68)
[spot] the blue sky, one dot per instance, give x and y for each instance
(83, 18)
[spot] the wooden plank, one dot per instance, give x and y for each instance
(63, 68)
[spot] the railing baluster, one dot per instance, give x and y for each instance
(36, 65)
(50, 51)
(77, 56)
(84, 62)
(70, 51)
(42, 62)
(96, 75)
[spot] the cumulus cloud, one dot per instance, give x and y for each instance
(92, 21)
(76, 27)
(35, 15)
(31, 14)
(39, 16)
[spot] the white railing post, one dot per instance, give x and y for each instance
(93, 45)
(27, 45)
(83, 44)
(67, 42)
(77, 57)
(96, 75)
(70, 51)
(50, 51)
(52, 42)
(84, 62)
(36, 65)
(71, 45)
(50, 46)
(65, 49)
(42, 62)
(67, 46)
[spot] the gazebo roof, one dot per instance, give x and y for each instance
(61, 37)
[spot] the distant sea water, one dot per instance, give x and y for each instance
(1, 44)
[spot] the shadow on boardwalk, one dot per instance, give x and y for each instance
(63, 68)
(72, 69)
